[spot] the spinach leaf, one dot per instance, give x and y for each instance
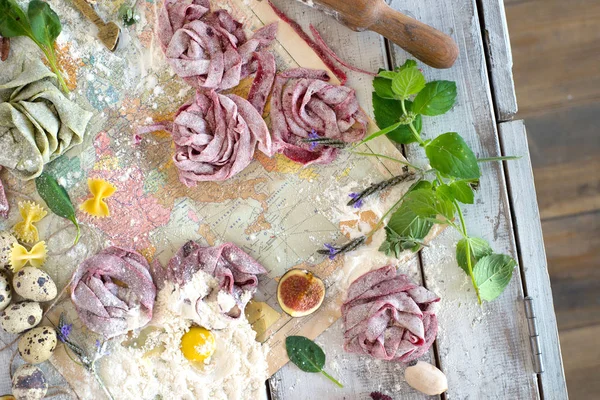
(45, 24)
(57, 199)
(493, 274)
(450, 155)
(13, 21)
(436, 98)
(307, 355)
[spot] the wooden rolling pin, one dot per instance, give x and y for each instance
(429, 45)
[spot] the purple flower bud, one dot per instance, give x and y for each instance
(64, 332)
(332, 250)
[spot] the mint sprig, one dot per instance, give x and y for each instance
(40, 24)
(401, 98)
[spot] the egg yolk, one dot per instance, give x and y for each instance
(198, 344)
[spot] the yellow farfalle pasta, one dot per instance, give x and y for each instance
(31, 213)
(20, 256)
(96, 206)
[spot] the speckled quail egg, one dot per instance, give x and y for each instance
(6, 243)
(29, 383)
(19, 317)
(5, 293)
(34, 284)
(37, 345)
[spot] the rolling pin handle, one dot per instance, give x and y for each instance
(429, 45)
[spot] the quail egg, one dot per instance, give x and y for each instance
(6, 243)
(5, 293)
(37, 345)
(29, 383)
(19, 317)
(34, 284)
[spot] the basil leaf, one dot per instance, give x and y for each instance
(407, 82)
(13, 21)
(388, 112)
(445, 191)
(450, 155)
(394, 244)
(436, 98)
(426, 203)
(479, 248)
(57, 199)
(387, 74)
(45, 24)
(493, 274)
(307, 355)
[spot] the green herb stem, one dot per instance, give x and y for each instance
(332, 379)
(411, 126)
(504, 158)
(468, 249)
(388, 158)
(51, 57)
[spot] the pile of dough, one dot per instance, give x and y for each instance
(37, 122)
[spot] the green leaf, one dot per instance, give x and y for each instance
(445, 191)
(426, 203)
(394, 244)
(45, 24)
(383, 88)
(493, 274)
(387, 74)
(406, 223)
(407, 64)
(389, 112)
(479, 248)
(13, 21)
(307, 355)
(462, 192)
(407, 82)
(57, 199)
(450, 155)
(436, 98)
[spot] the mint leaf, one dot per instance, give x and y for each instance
(479, 249)
(462, 192)
(450, 155)
(426, 203)
(436, 98)
(387, 74)
(407, 82)
(407, 64)
(45, 24)
(383, 88)
(13, 21)
(406, 223)
(388, 112)
(493, 274)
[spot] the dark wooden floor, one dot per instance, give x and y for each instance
(556, 50)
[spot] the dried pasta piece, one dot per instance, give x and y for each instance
(20, 256)
(96, 206)
(31, 213)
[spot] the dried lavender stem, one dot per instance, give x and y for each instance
(381, 186)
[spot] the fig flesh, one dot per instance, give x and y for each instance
(300, 292)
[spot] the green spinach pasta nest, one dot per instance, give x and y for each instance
(37, 122)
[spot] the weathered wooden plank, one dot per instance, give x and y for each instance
(583, 362)
(483, 350)
(532, 257)
(499, 56)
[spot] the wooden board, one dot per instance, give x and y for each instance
(532, 257)
(485, 352)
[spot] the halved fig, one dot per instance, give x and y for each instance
(300, 293)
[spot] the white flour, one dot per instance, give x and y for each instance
(152, 366)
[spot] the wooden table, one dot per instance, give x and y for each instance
(490, 356)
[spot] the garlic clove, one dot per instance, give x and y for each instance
(426, 378)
